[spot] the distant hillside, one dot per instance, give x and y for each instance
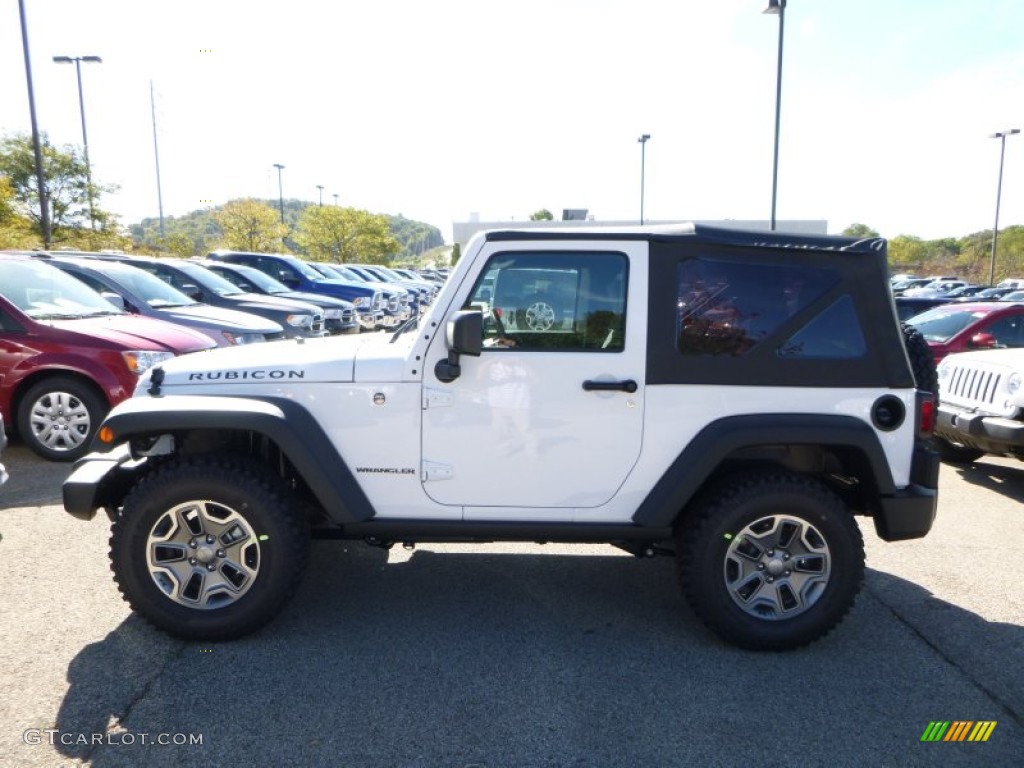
(197, 233)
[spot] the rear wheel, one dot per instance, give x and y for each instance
(770, 562)
(208, 548)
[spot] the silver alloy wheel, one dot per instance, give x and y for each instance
(540, 316)
(203, 555)
(60, 421)
(777, 567)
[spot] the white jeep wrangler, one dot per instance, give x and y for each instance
(981, 405)
(734, 398)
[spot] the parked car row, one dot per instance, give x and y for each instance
(77, 329)
(67, 355)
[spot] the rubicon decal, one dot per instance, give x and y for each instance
(958, 730)
(387, 470)
(259, 373)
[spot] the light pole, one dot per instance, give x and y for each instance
(999, 191)
(643, 145)
(77, 61)
(777, 8)
(280, 190)
(335, 200)
(37, 150)
(320, 188)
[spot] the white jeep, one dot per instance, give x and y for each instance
(981, 405)
(733, 398)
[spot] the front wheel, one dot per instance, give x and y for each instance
(955, 453)
(770, 562)
(208, 548)
(58, 417)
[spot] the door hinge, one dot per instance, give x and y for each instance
(436, 398)
(433, 470)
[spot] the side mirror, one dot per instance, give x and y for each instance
(192, 291)
(464, 335)
(983, 341)
(288, 279)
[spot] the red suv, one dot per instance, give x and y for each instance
(67, 355)
(960, 327)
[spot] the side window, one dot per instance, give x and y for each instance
(553, 301)
(1006, 330)
(834, 334)
(727, 308)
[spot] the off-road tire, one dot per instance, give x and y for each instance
(727, 525)
(58, 417)
(922, 362)
(195, 493)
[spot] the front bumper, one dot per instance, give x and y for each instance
(97, 480)
(991, 434)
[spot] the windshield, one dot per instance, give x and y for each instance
(210, 280)
(44, 292)
(244, 274)
(150, 288)
(941, 324)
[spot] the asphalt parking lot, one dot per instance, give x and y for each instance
(512, 655)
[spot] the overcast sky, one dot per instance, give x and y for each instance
(439, 109)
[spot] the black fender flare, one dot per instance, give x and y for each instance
(719, 439)
(286, 422)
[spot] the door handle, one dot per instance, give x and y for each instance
(610, 386)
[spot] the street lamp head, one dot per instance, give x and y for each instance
(73, 59)
(643, 139)
(279, 166)
(1003, 134)
(775, 7)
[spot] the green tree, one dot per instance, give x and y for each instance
(15, 229)
(330, 233)
(67, 187)
(860, 230)
(456, 254)
(250, 225)
(907, 253)
(542, 215)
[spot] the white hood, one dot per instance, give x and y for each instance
(333, 359)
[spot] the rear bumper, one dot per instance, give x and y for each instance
(910, 512)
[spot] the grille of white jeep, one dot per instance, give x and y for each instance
(977, 386)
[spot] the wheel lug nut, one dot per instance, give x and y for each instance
(770, 579)
(788, 572)
(209, 539)
(221, 553)
(193, 544)
(211, 567)
(786, 556)
(192, 561)
(771, 553)
(760, 566)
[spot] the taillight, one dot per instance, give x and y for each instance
(925, 414)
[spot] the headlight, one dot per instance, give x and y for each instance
(300, 321)
(332, 314)
(141, 360)
(944, 369)
(361, 301)
(1013, 383)
(242, 338)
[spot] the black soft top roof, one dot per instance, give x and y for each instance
(698, 233)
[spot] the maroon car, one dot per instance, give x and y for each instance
(960, 327)
(67, 355)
